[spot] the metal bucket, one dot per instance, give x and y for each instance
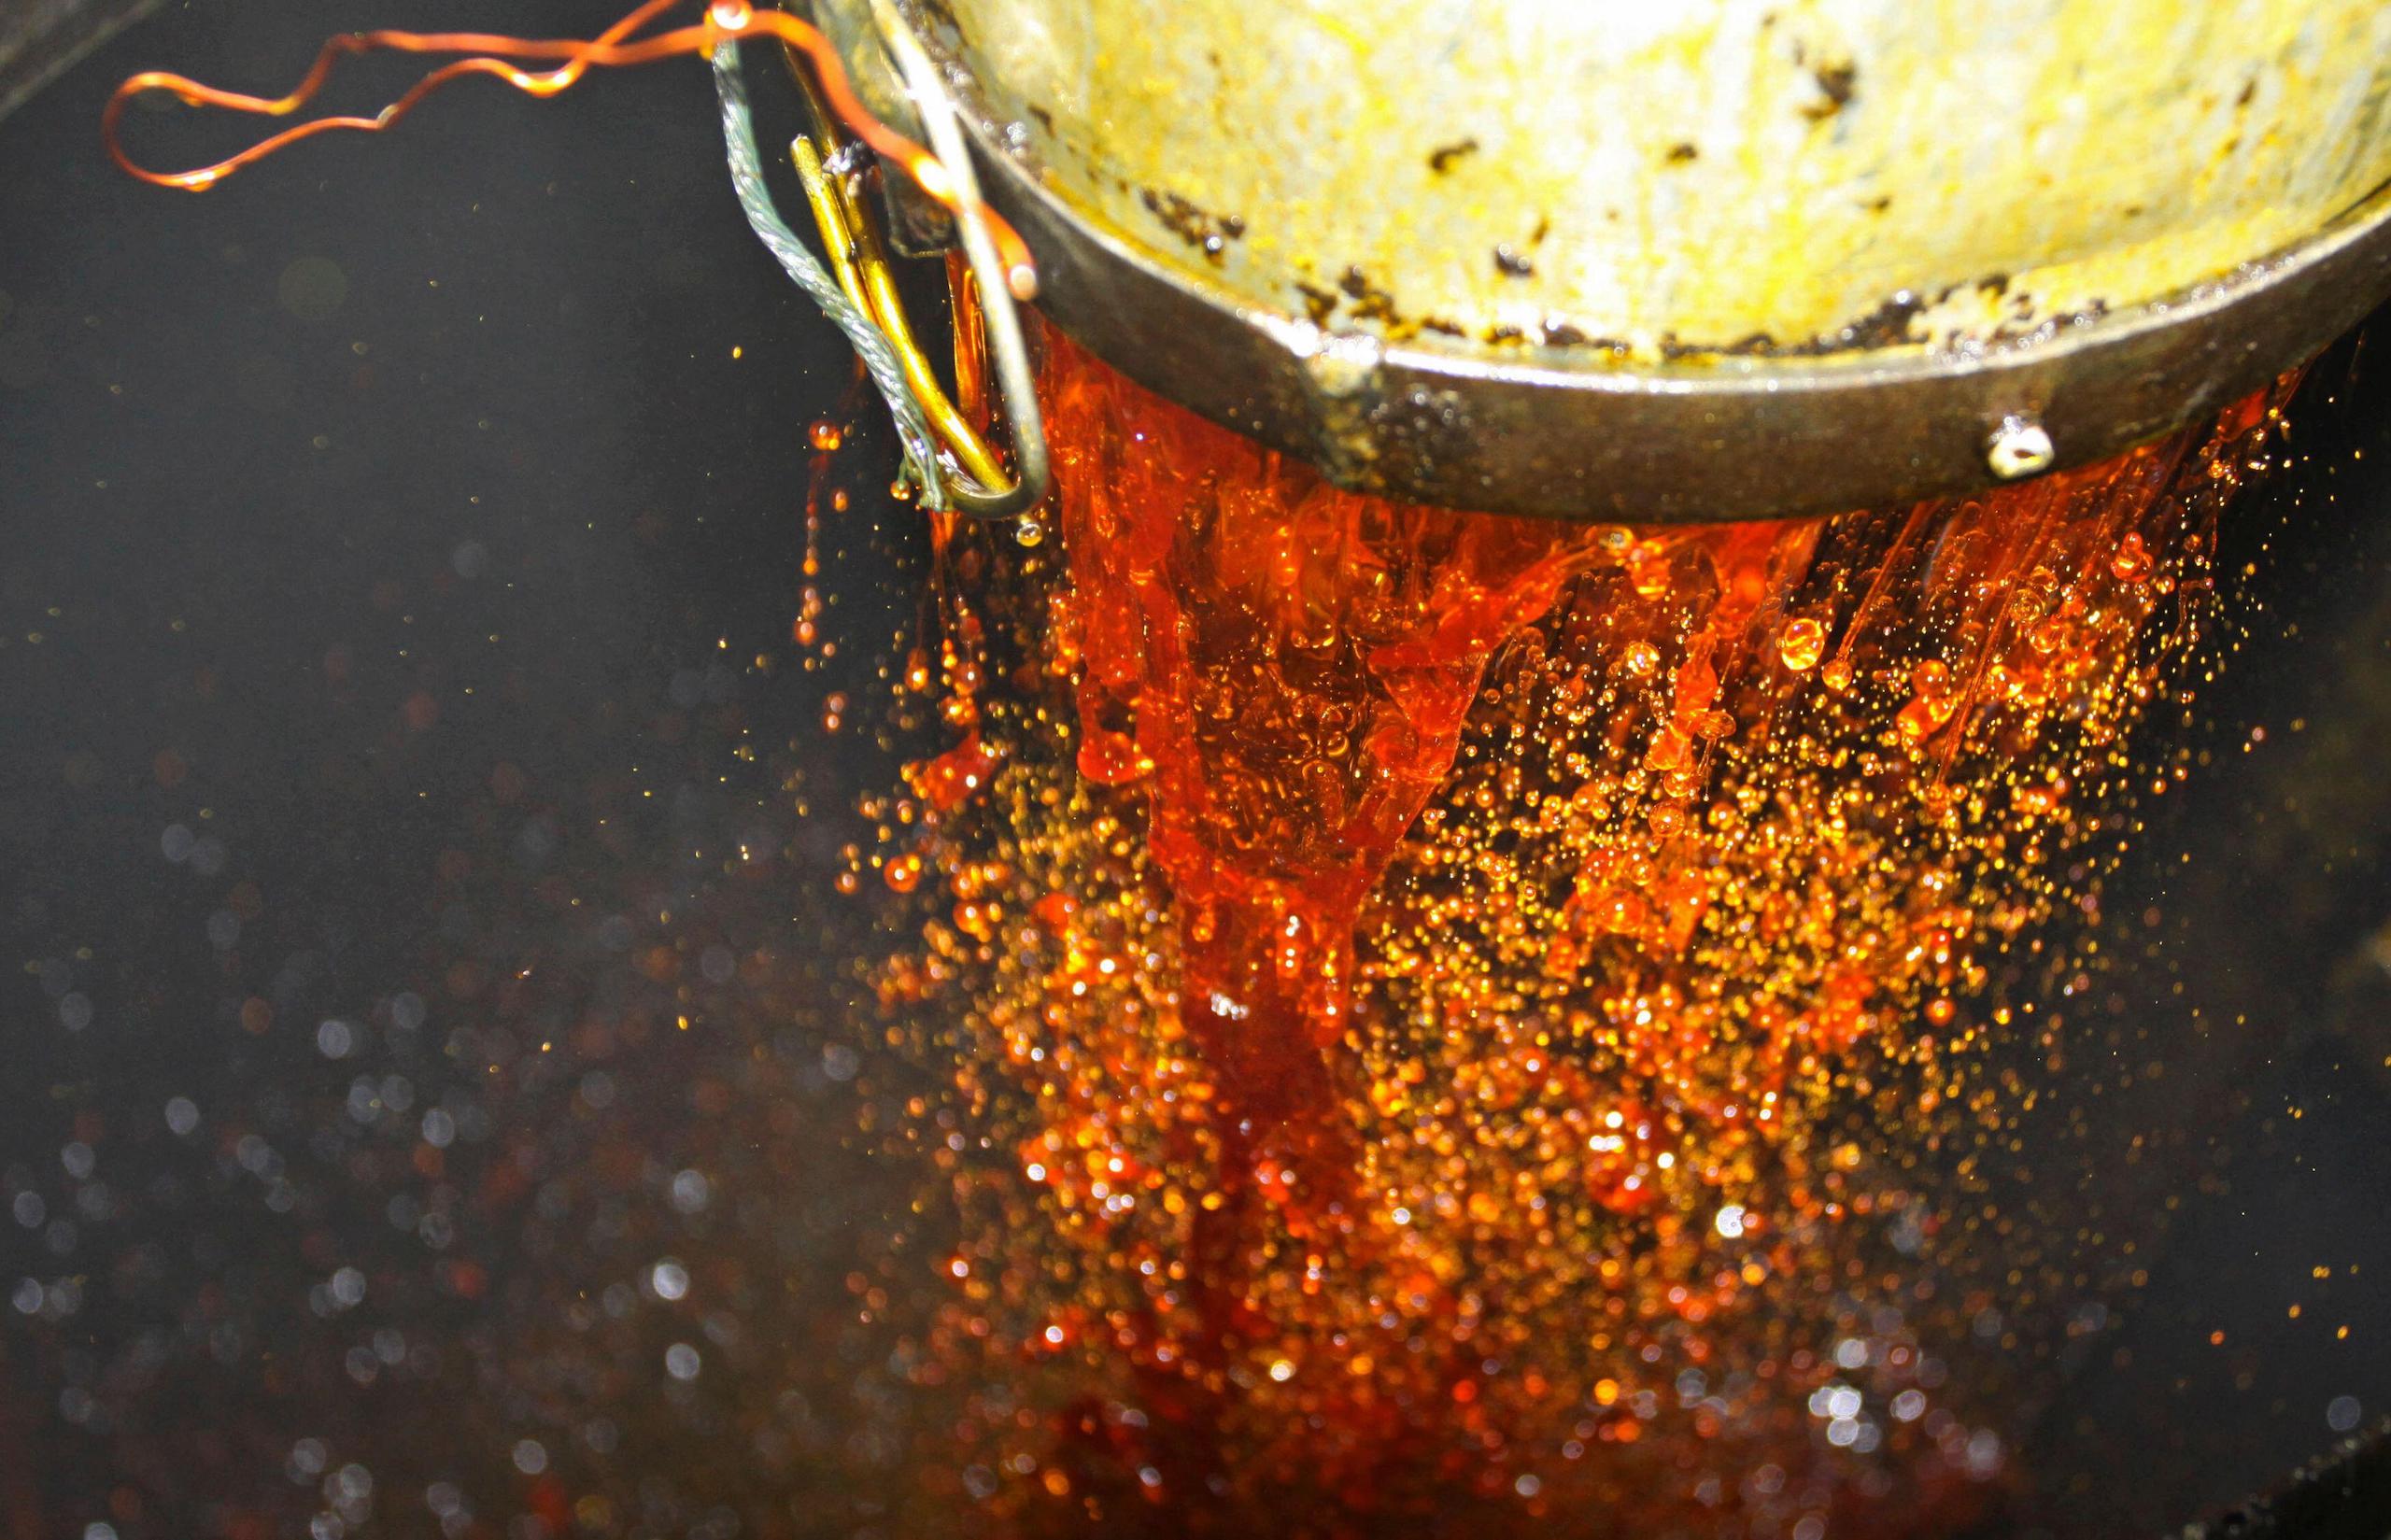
(1716, 258)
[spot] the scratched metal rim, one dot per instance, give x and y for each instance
(1670, 443)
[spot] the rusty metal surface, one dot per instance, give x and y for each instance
(1741, 437)
(1595, 431)
(1703, 176)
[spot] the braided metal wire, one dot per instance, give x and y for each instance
(807, 272)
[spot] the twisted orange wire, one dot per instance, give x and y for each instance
(617, 47)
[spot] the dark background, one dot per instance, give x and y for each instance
(396, 557)
(401, 527)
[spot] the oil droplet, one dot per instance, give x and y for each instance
(1669, 751)
(2132, 561)
(1108, 758)
(1800, 644)
(1641, 658)
(824, 435)
(1648, 569)
(903, 874)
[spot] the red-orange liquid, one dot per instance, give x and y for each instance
(1416, 972)
(1284, 666)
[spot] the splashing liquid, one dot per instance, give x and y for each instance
(1284, 668)
(1418, 963)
